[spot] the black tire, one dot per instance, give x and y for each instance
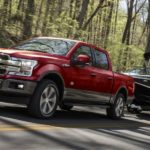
(116, 111)
(66, 107)
(45, 100)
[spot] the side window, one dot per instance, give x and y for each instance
(101, 60)
(82, 50)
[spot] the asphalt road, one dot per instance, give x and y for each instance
(81, 128)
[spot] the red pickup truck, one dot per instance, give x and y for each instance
(47, 72)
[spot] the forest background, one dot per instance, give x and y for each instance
(122, 27)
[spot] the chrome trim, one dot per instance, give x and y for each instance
(48, 100)
(83, 95)
(65, 65)
(7, 65)
(143, 85)
(9, 68)
(2, 55)
(11, 63)
(145, 77)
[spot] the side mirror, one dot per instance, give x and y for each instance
(82, 60)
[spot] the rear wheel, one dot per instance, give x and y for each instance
(45, 99)
(117, 109)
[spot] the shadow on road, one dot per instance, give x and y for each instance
(144, 115)
(80, 127)
(74, 119)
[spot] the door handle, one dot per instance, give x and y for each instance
(110, 78)
(93, 74)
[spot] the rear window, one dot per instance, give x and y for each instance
(101, 60)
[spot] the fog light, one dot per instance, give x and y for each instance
(20, 86)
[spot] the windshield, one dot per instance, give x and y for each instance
(52, 46)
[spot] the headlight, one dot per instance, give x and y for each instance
(26, 67)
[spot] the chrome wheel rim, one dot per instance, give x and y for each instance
(119, 107)
(48, 100)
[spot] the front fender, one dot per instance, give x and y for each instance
(44, 70)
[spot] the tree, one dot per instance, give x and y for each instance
(100, 22)
(108, 23)
(93, 14)
(39, 17)
(127, 32)
(45, 17)
(126, 38)
(5, 12)
(82, 12)
(147, 49)
(28, 20)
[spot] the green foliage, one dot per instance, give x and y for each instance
(5, 40)
(135, 56)
(60, 20)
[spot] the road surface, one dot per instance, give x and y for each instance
(82, 128)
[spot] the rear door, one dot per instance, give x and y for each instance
(104, 75)
(102, 80)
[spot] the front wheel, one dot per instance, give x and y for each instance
(117, 109)
(45, 99)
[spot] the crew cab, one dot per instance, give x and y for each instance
(47, 72)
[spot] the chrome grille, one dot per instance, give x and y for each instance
(3, 57)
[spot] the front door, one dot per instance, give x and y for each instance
(81, 80)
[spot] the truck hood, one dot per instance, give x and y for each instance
(30, 54)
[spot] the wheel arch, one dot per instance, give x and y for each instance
(121, 90)
(57, 78)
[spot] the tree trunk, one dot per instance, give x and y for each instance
(93, 14)
(108, 24)
(28, 20)
(39, 17)
(127, 33)
(45, 17)
(77, 8)
(134, 24)
(59, 7)
(10, 10)
(82, 12)
(147, 49)
(116, 17)
(71, 8)
(5, 13)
